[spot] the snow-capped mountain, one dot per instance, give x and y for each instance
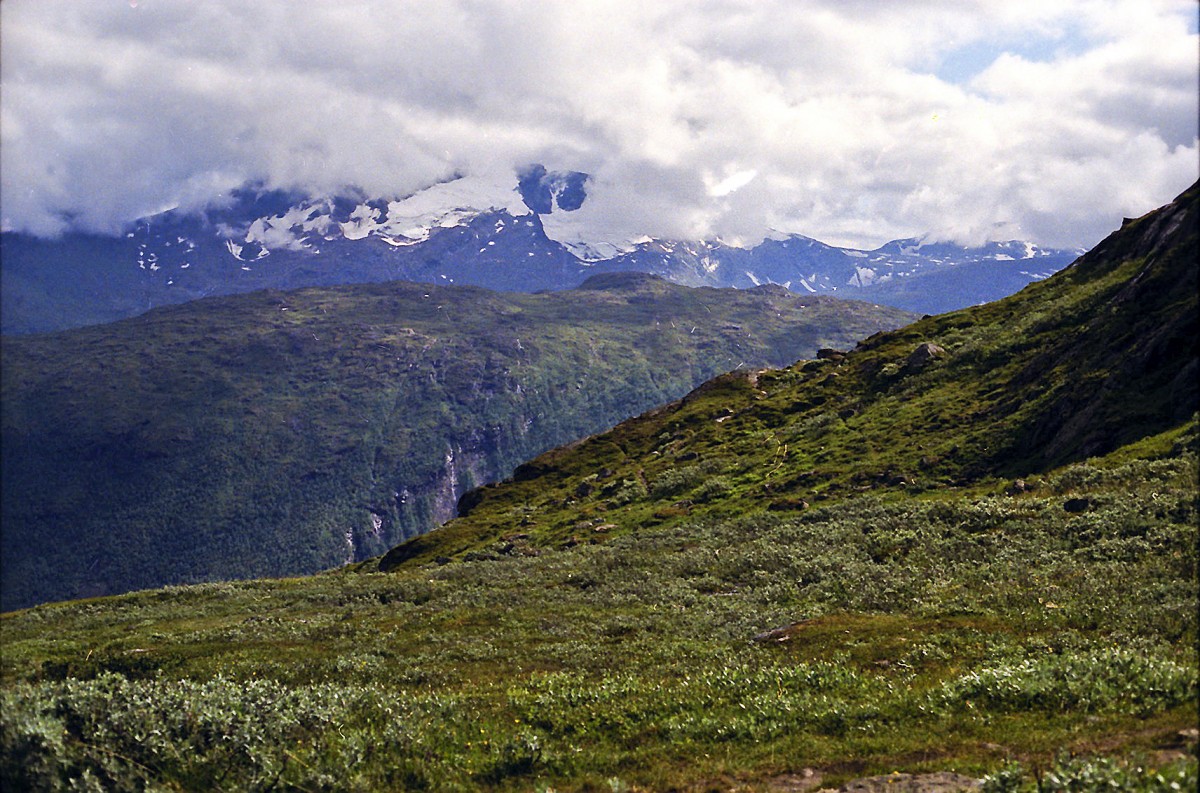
(510, 232)
(911, 274)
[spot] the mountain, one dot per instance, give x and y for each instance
(467, 230)
(285, 432)
(1099, 356)
(910, 274)
(963, 549)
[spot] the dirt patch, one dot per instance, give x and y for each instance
(940, 782)
(799, 782)
(809, 781)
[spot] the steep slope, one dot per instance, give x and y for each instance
(885, 562)
(286, 432)
(1099, 356)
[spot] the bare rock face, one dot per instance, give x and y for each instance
(920, 357)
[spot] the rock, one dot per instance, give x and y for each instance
(891, 479)
(829, 354)
(775, 634)
(925, 352)
(787, 504)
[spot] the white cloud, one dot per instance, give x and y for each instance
(729, 184)
(695, 117)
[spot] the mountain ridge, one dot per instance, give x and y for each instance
(466, 230)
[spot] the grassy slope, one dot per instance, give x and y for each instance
(1103, 354)
(278, 433)
(685, 623)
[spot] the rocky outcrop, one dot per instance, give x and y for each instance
(923, 355)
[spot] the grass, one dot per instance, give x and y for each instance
(735, 650)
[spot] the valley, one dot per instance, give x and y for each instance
(280, 433)
(967, 545)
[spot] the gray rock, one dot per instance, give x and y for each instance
(925, 352)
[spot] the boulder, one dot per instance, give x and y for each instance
(925, 352)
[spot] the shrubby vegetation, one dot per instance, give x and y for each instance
(875, 627)
(1068, 774)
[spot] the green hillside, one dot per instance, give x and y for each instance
(978, 557)
(1102, 355)
(285, 433)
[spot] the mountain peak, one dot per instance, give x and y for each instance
(544, 191)
(620, 281)
(528, 230)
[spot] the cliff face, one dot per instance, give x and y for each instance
(1132, 364)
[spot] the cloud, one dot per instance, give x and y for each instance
(853, 122)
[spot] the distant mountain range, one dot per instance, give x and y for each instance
(516, 232)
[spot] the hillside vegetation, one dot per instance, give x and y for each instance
(1102, 355)
(288, 432)
(978, 556)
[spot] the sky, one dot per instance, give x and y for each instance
(851, 121)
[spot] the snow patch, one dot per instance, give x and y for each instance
(290, 230)
(863, 276)
(444, 205)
